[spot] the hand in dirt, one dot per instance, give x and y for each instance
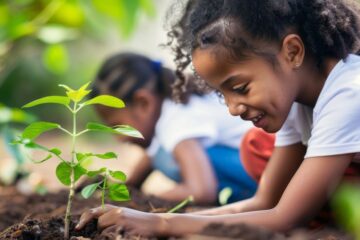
(112, 218)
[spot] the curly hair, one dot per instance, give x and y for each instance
(328, 28)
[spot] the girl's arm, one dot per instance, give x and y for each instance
(281, 167)
(310, 187)
(198, 178)
(140, 172)
(312, 184)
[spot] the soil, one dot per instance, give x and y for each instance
(38, 217)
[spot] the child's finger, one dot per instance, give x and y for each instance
(90, 214)
(109, 218)
(112, 232)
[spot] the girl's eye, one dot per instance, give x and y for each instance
(219, 94)
(240, 89)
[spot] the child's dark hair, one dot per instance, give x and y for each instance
(328, 28)
(123, 74)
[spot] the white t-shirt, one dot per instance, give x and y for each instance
(332, 127)
(203, 117)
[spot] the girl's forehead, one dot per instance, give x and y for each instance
(211, 65)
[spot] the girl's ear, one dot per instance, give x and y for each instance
(293, 50)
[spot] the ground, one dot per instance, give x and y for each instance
(33, 217)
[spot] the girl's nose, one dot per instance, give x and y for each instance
(237, 109)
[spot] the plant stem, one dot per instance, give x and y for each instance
(72, 178)
(182, 204)
(103, 191)
(64, 130)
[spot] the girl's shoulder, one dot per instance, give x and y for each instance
(342, 84)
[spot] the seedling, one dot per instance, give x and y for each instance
(182, 204)
(69, 171)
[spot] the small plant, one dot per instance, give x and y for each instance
(182, 204)
(69, 171)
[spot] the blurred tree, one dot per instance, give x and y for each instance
(42, 40)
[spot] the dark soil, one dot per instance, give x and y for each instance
(41, 218)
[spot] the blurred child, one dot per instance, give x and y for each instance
(195, 144)
(289, 67)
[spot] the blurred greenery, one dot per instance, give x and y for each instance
(42, 41)
(346, 205)
(8, 118)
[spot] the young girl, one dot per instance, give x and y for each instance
(195, 144)
(288, 67)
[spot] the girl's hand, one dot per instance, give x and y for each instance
(112, 218)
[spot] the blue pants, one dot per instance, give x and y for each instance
(226, 165)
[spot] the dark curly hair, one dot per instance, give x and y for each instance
(328, 28)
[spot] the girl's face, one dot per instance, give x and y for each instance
(139, 116)
(253, 89)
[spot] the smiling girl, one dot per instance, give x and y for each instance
(290, 67)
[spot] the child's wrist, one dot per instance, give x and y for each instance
(174, 224)
(164, 226)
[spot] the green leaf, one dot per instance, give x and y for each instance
(108, 155)
(79, 171)
(50, 99)
(42, 160)
(67, 88)
(63, 173)
(128, 131)
(29, 144)
(84, 87)
(119, 129)
(106, 100)
(55, 151)
(224, 195)
(118, 175)
(96, 172)
(76, 95)
(119, 192)
(82, 156)
(56, 59)
(89, 190)
(99, 127)
(37, 128)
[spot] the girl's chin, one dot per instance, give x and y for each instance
(268, 126)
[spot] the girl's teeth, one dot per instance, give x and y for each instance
(256, 119)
